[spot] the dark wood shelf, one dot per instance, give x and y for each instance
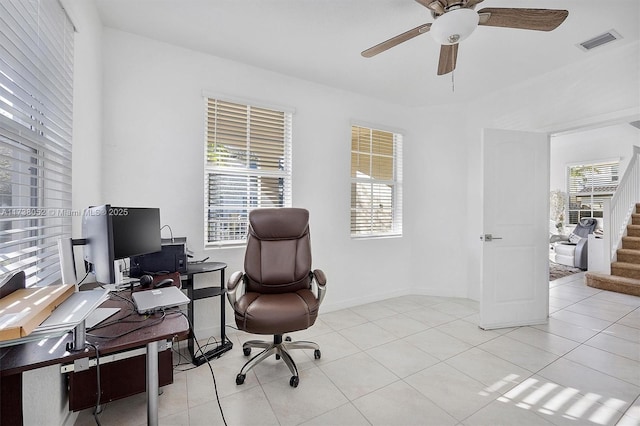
(202, 293)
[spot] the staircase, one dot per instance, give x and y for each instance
(625, 271)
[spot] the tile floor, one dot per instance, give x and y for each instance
(422, 360)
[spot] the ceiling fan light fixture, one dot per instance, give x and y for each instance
(454, 26)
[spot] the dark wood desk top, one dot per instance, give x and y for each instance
(132, 331)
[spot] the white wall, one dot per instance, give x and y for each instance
(592, 145)
(607, 86)
(87, 107)
(436, 202)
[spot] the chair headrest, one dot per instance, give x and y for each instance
(588, 221)
(278, 223)
(585, 227)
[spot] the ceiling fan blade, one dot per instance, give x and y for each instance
(439, 6)
(448, 58)
(526, 19)
(434, 5)
(394, 41)
(472, 3)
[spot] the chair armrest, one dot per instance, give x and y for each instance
(232, 287)
(321, 281)
(556, 238)
(320, 277)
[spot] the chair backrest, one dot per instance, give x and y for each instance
(12, 282)
(278, 254)
(585, 227)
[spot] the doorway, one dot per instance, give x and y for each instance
(606, 142)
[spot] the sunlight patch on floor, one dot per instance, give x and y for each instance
(552, 399)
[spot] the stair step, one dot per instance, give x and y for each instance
(632, 243)
(626, 255)
(635, 218)
(633, 230)
(624, 269)
(613, 283)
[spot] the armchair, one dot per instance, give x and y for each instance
(278, 292)
(572, 249)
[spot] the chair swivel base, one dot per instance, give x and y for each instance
(281, 350)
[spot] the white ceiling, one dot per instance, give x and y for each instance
(321, 41)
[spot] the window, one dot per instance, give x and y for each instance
(589, 186)
(248, 166)
(36, 91)
(376, 182)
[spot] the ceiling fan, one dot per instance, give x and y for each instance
(455, 20)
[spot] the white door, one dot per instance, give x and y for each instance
(515, 239)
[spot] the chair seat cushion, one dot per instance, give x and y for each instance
(565, 249)
(276, 313)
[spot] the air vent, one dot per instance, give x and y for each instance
(600, 40)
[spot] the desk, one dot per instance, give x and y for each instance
(202, 293)
(29, 356)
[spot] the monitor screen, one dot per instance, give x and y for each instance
(112, 233)
(135, 231)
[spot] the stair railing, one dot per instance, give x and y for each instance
(618, 210)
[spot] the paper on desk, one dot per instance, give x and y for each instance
(74, 310)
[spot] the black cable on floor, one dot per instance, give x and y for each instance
(182, 359)
(95, 411)
(215, 384)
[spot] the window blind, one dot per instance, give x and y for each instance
(248, 165)
(376, 182)
(36, 91)
(589, 185)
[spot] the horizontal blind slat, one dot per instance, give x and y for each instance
(36, 92)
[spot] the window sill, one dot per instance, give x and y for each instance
(210, 246)
(375, 237)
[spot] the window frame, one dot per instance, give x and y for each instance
(578, 211)
(253, 176)
(395, 182)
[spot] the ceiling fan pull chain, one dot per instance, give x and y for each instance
(453, 82)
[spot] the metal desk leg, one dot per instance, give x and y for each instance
(190, 308)
(152, 383)
(223, 326)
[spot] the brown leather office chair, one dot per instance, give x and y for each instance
(281, 292)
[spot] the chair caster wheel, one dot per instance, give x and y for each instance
(240, 379)
(317, 354)
(287, 339)
(293, 382)
(246, 351)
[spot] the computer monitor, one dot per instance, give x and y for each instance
(113, 233)
(67, 262)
